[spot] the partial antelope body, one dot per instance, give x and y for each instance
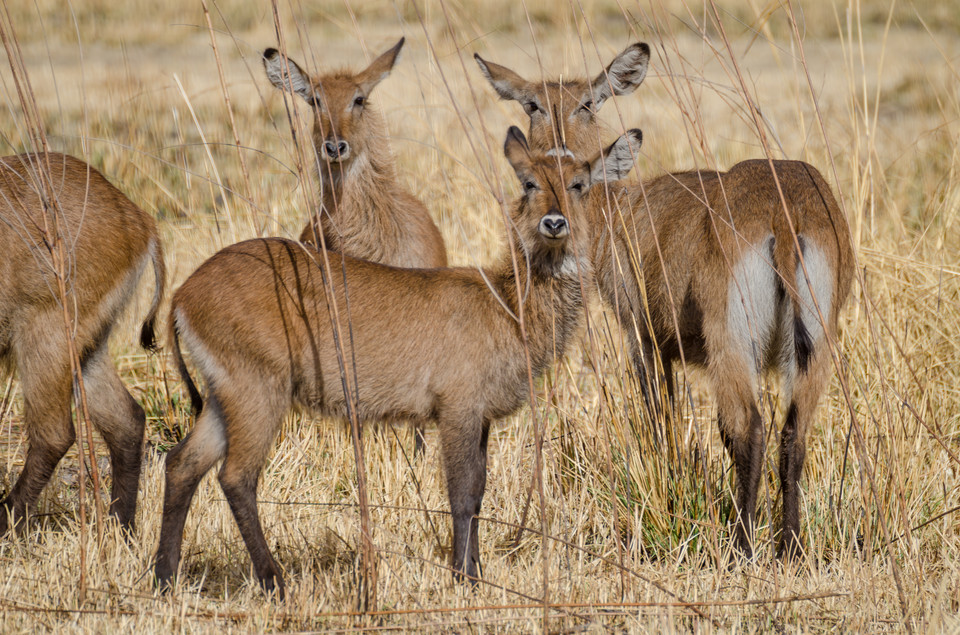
(727, 283)
(564, 111)
(431, 344)
(108, 242)
(705, 266)
(365, 213)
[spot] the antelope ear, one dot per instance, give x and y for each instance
(286, 75)
(623, 75)
(508, 84)
(379, 68)
(615, 162)
(517, 151)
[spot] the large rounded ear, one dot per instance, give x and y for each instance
(379, 68)
(286, 75)
(517, 151)
(623, 75)
(615, 162)
(508, 84)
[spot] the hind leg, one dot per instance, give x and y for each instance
(46, 383)
(120, 421)
(807, 388)
(185, 466)
(741, 429)
(252, 425)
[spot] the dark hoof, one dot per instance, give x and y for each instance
(273, 587)
(470, 578)
(741, 554)
(163, 576)
(127, 527)
(10, 521)
(163, 583)
(790, 551)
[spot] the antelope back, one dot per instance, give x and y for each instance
(107, 243)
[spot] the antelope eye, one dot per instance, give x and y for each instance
(529, 186)
(586, 106)
(577, 187)
(359, 101)
(313, 101)
(531, 107)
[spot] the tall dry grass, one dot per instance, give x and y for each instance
(636, 526)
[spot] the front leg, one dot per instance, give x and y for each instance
(464, 446)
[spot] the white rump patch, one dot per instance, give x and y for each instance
(816, 292)
(200, 355)
(752, 305)
(760, 319)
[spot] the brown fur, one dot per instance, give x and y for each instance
(424, 344)
(365, 212)
(108, 241)
(669, 272)
(691, 231)
(566, 112)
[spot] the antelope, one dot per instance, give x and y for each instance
(565, 112)
(705, 267)
(109, 242)
(365, 213)
(427, 344)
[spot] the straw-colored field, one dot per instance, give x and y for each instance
(636, 532)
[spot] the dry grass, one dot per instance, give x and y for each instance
(636, 530)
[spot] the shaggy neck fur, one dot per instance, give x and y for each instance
(550, 292)
(351, 193)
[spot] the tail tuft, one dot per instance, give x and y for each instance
(802, 343)
(196, 401)
(148, 337)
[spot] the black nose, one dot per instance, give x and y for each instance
(554, 225)
(335, 150)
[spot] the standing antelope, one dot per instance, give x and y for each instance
(364, 213)
(108, 242)
(428, 344)
(706, 267)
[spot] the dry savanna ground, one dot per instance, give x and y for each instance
(636, 530)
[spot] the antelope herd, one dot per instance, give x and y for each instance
(740, 272)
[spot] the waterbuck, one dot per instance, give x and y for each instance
(364, 211)
(742, 272)
(426, 344)
(108, 241)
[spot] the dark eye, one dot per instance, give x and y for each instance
(359, 101)
(529, 186)
(586, 106)
(531, 107)
(577, 187)
(313, 101)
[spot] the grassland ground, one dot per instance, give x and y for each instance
(637, 528)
